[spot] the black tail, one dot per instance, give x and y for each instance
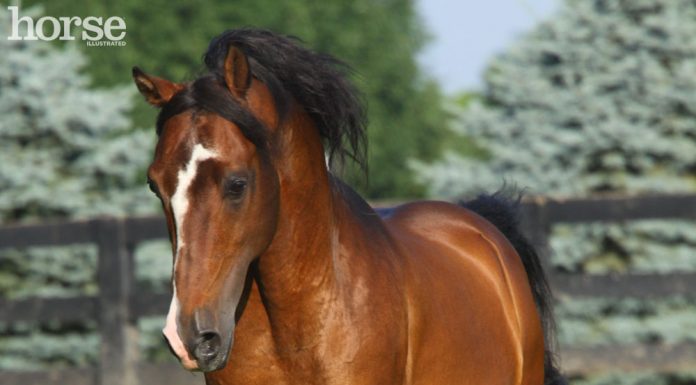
(503, 211)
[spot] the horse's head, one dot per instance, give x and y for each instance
(232, 144)
(212, 172)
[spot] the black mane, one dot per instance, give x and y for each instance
(318, 83)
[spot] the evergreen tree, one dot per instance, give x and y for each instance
(66, 151)
(600, 98)
(379, 39)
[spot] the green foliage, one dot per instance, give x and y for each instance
(600, 98)
(67, 151)
(379, 39)
(598, 322)
(48, 272)
(65, 148)
(34, 349)
(150, 343)
(639, 379)
(153, 265)
(639, 247)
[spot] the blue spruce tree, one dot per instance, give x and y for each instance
(66, 151)
(599, 98)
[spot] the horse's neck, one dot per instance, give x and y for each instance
(302, 274)
(292, 265)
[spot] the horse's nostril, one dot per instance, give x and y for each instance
(208, 346)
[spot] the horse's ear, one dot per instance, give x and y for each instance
(157, 91)
(237, 72)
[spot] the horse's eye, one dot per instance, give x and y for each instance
(234, 187)
(153, 186)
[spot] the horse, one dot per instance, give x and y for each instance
(284, 275)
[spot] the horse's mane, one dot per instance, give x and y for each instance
(318, 82)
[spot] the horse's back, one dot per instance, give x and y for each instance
(472, 316)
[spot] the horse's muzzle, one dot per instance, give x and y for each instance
(208, 347)
(207, 351)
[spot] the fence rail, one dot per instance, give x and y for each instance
(118, 305)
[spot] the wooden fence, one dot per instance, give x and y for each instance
(118, 306)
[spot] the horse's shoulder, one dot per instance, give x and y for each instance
(456, 260)
(432, 228)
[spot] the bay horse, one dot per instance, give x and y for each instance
(284, 275)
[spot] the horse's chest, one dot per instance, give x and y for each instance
(343, 354)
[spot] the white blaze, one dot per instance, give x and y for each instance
(180, 202)
(180, 206)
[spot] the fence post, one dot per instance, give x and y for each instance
(119, 350)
